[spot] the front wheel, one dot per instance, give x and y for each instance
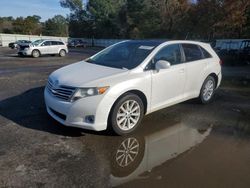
(126, 114)
(62, 53)
(35, 53)
(207, 90)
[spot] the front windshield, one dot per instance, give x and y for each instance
(125, 55)
(37, 42)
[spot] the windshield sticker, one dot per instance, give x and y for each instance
(146, 47)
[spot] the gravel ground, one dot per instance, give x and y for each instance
(186, 145)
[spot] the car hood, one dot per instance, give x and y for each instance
(83, 74)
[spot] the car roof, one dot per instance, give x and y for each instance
(161, 41)
(148, 42)
(56, 40)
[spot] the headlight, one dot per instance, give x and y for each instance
(87, 92)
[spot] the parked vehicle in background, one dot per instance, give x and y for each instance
(44, 47)
(228, 52)
(13, 45)
(244, 52)
(119, 85)
(77, 43)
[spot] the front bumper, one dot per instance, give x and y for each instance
(74, 114)
(24, 52)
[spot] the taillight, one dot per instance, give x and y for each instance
(221, 62)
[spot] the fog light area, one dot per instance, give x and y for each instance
(90, 119)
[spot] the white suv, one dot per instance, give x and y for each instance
(119, 85)
(43, 47)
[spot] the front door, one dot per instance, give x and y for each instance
(168, 84)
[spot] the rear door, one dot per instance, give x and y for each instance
(55, 47)
(196, 63)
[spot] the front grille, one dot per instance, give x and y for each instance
(61, 92)
(23, 47)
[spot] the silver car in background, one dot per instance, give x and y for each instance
(44, 47)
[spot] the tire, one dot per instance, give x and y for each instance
(35, 53)
(126, 114)
(62, 53)
(207, 90)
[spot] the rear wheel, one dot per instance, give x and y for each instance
(207, 90)
(62, 53)
(35, 53)
(126, 114)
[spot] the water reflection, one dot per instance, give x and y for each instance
(137, 154)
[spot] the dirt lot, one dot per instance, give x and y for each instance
(187, 145)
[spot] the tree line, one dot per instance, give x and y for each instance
(31, 25)
(174, 19)
(168, 19)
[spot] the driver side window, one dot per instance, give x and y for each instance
(170, 53)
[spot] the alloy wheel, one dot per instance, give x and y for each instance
(35, 53)
(208, 90)
(127, 152)
(128, 115)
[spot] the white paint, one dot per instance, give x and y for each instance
(162, 88)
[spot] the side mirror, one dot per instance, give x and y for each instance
(162, 64)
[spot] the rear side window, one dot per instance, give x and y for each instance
(54, 42)
(170, 53)
(192, 52)
(57, 43)
(206, 54)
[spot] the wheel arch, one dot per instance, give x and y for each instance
(136, 92)
(61, 50)
(142, 97)
(139, 93)
(36, 50)
(214, 75)
(215, 78)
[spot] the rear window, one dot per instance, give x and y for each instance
(192, 52)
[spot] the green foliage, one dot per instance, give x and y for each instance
(168, 19)
(56, 26)
(6, 24)
(29, 25)
(73, 5)
(20, 25)
(179, 19)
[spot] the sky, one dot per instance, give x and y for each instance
(44, 8)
